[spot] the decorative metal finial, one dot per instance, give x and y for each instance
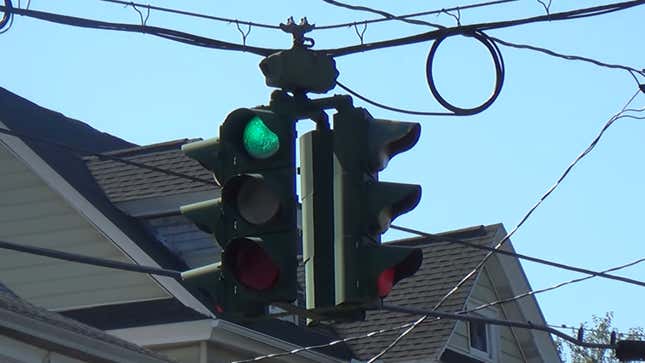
(298, 32)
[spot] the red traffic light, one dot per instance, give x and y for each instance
(385, 282)
(251, 265)
(410, 261)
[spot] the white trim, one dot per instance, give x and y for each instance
(116, 302)
(219, 332)
(71, 340)
(97, 219)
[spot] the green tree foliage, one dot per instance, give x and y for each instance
(598, 332)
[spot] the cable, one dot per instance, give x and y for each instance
(170, 34)
(491, 44)
(106, 156)
(196, 15)
(508, 323)
(631, 70)
(7, 16)
(535, 292)
(456, 111)
(454, 316)
(575, 329)
(390, 17)
(88, 260)
(508, 235)
(380, 12)
(499, 73)
(390, 108)
(496, 250)
(422, 37)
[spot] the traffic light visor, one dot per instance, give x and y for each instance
(259, 141)
(389, 138)
(251, 265)
(409, 261)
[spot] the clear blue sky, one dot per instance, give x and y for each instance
(482, 169)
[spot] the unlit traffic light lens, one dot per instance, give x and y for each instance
(259, 141)
(256, 202)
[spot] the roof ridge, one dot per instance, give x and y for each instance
(473, 232)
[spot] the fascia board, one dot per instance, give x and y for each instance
(57, 183)
(265, 344)
(528, 306)
(221, 333)
(69, 342)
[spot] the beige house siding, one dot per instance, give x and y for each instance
(32, 214)
(505, 347)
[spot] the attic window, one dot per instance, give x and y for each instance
(478, 336)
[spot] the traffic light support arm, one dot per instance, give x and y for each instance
(300, 107)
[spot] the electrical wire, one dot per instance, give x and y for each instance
(389, 17)
(102, 156)
(433, 238)
(88, 260)
(193, 14)
(465, 29)
(499, 245)
(444, 315)
(492, 47)
(598, 63)
(170, 34)
(498, 61)
(575, 329)
(556, 286)
(7, 17)
(508, 323)
(390, 108)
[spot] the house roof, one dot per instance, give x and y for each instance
(444, 265)
(122, 182)
(54, 323)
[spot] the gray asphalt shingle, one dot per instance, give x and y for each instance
(122, 182)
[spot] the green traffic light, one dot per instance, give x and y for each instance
(259, 141)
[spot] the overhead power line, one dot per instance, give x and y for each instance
(170, 34)
(193, 14)
(437, 314)
(507, 323)
(389, 17)
(88, 260)
(317, 27)
(556, 286)
(466, 29)
(433, 238)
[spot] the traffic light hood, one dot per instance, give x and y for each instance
(388, 138)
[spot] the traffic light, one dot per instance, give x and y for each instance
(366, 270)
(254, 220)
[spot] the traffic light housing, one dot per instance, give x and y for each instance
(366, 270)
(254, 220)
